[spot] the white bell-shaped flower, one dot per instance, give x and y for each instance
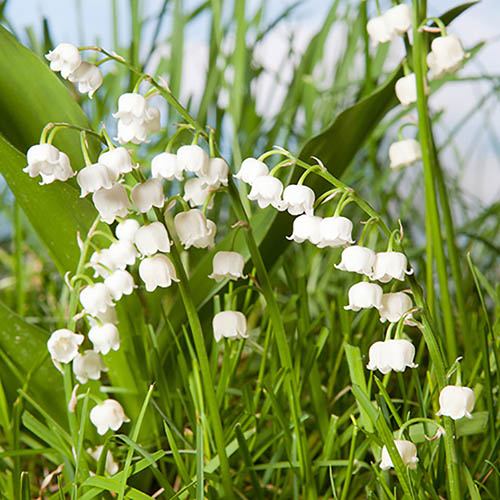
(88, 366)
(251, 169)
(196, 192)
(131, 106)
(94, 177)
(298, 199)
(379, 30)
(135, 132)
(166, 166)
(88, 78)
(110, 466)
(335, 231)
(108, 415)
(63, 345)
(194, 229)
(390, 265)
(111, 203)
(306, 228)
(157, 271)
(122, 254)
(118, 160)
(216, 174)
(266, 190)
(101, 261)
(147, 195)
(407, 451)
(446, 55)
(357, 259)
(229, 324)
(108, 316)
(105, 338)
(119, 283)
(364, 295)
(398, 19)
(95, 298)
(405, 152)
(64, 58)
(394, 354)
(395, 306)
(152, 238)
(456, 402)
(153, 120)
(48, 162)
(193, 158)
(406, 89)
(125, 230)
(227, 265)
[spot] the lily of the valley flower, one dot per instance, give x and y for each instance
(306, 228)
(88, 77)
(266, 190)
(111, 467)
(166, 166)
(196, 192)
(229, 324)
(64, 58)
(152, 238)
(456, 402)
(63, 345)
(48, 162)
(395, 22)
(105, 338)
(405, 152)
(125, 230)
(390, 265)
(118, 160)
(108, 316)
(395, 306)
(378, 30)
(407, 451)
(88, 366)
(108, 415)
(394, 354)
(194, 229)
(298, 199)
(406, 89)
(95, 298)
(111, 203)
(193, 158)
(147, 195)
(119, 283)
(122, 254)
(357, 259)
(446, 55)
(251, 169)
(364, 295)
(335, 231)
(216, 174)
(94, 177)
(102, 263)
(157, 271)
(227, 265)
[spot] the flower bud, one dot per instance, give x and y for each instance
(88, 366)
(147, 195)
(364, 295)
(105, 338)
(251, 169)
(229, 324)
(88, 77)
(216, 174)
(193, 158)
(335, 231)
(395, 306)
(396, 354)
(94, 177)
(266, 190)
(306, 227)
(446, 55)
(119, 283)
(108, 415)
(357, 259)
(404, 153)
(111, 203)
(456, 402)
(63, 345)
(166, 166)
(406, 89)
(118, 160)
(390, 265)
(298, 199)
(64, 58)
(407, 451)
(125, 230)
(157, 271)
(194, 230)
(227, 265)
(152, 238)
(196, 192)
(95, 299)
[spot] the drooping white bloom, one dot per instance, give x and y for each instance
(48, 162)
(95, 299)
(119, 283)
(335, 231)
(229, 324)
(306, 227)
(63, 345)
(390, 265)
(193, 158)
(196, 192)
(298, 199)
(108, 316)
(379, 30)
(405, 152)
(406, 89)
(407, 451)
(101, 261)
(266, 190)
(152, 238)
(227, 265)
(394, 354)
(88, 78)
(118, 160)
(398, 19)
(94, 177)
(88, 366)
(194, 229)
(126, 229)
(216, 174)
(111, 203)
(251, 169)
(357, 259)
(64, 58)
(395, 306)
(108, 415)
(105, 338)
(166, 166)
(148, 194)
(122, 254)
(456, 402)
(157, 271)
(111, 467)
(446, 55)
(364, 295)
